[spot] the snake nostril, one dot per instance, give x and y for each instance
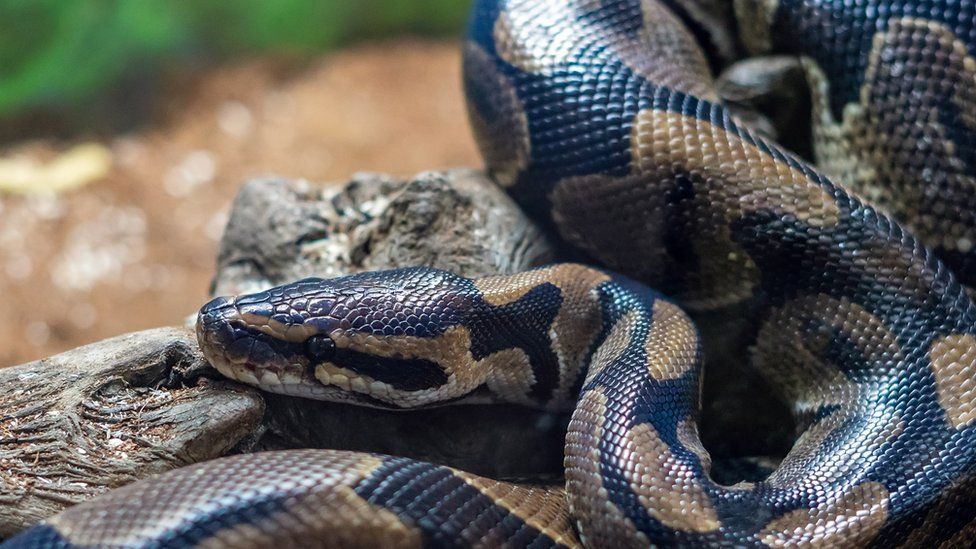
(215, 311)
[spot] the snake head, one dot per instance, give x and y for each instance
(386, 339)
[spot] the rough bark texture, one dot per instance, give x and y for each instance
(103, 415)
(282, 230)
(106, 414)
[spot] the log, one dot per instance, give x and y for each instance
(106, 414)
(282, 230)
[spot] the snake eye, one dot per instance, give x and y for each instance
(319, 348)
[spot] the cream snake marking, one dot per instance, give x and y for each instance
(600, 118)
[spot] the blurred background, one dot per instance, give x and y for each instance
(126, 127)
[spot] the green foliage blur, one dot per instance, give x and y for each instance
(64, 52)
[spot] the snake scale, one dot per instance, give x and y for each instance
(601, 119)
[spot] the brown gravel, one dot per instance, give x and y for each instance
(136, 249)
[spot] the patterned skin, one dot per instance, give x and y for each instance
(600, 118)
(894, 91)
(311, 498)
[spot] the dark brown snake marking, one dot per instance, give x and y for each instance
(600, 117)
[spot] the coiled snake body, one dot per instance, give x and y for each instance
(600, 118)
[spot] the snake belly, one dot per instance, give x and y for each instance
(600, 119)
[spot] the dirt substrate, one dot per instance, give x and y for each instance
(136, 248)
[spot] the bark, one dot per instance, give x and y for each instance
(282, 230)
(103, 415)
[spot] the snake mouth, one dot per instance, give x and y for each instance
(245, 353)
